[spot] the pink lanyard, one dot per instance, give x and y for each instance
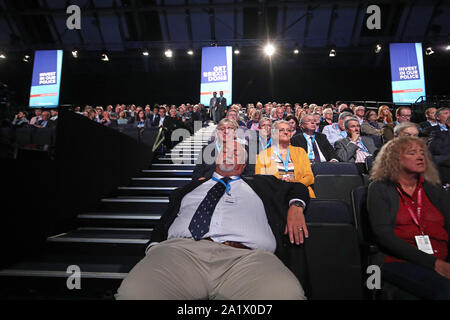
(414, 217)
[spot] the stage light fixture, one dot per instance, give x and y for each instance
(190, 52)
(168, 53)
(75, 54)
(236, 51)
(378, 48)
(105, 57)
(447, 48)
(269, 49)
(145, 53)
(2, 56)
(429, 51)
(296, 51)
(332, 53)
(26, 58)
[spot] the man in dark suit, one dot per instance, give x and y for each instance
(221, 106)
(315, 143)
(158, 120)
(355, 148)
(204, 246)
(212, 107)
(430, 114)
(442, 114)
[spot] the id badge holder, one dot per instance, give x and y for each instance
(424, 244)
(230, 199)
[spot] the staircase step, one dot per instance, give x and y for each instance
(132, 204)
(159, 182)
(118, 219)
(144, 191)
(166, 172)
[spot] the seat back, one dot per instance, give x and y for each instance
(328, 211)
(334, 168)
(360, 213)
(336, 187)
(333, 260)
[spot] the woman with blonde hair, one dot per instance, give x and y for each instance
(385, 115)
(409, 215)
(253, 123)
(286, 162)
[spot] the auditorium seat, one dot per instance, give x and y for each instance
(329, 186)
(334, 168)
(328, 211)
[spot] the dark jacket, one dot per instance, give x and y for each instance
(383, 204)
(274, 193)
(439, 143)
(346, 150)
(322, 141)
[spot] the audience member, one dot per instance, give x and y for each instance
(410, 217)
(370, 126)
(293, 121)
(286, 162)
(407, 129)
(354, 148)
(37, 117)
(442, 114)
(20, 119)
(314, 143)
(430, 114)
(337, 131)
(359, 113)
(229, 237)
(402, 114)
(327, 118)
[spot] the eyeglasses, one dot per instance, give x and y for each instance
(225, 129)
(285, 130)
(405, 115)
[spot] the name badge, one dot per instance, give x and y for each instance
(424, 244)
(230, 199)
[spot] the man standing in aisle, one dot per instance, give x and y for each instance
(221, 106)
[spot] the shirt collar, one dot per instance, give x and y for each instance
(218, 176)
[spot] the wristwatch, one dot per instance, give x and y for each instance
(297, 204)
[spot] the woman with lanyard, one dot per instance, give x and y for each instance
(284, 161)
(410, 217)
(264, 139)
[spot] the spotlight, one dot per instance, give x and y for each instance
(2, 55)
(296, 51)
(168, 53)
(429, 51)
(105, 57)
(190, 52)
(269, 49)
(378, 48)
(236, 51)
(447, 48)
(26, 58)
(75, 54)
(332, 53)
(145, 53)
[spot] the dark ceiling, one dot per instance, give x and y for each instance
(121, 26)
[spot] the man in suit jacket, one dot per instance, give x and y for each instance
(430, 114)
(158, 120)
(221, 106)
(212, 107)
(220, 261)
(321, 150)
(442, 114)
(355, 148)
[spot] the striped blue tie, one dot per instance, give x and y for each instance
(201, 220)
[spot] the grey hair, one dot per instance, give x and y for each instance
(302, 120)
(264, 119)
(345, 114)
(228, 121)
(324, 112)
(348, 120)
(276, 123)
(438, 111)
(402, 126)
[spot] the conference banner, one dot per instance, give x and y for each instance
(408, 77)
(46, 80)
(217, 73)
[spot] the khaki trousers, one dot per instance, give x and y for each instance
(181, 269)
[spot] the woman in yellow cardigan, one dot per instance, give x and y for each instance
(284, 161)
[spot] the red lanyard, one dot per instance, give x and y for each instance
(414, 217)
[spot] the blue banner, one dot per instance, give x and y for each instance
(217, 73)
(407, 72)
(46, 80)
